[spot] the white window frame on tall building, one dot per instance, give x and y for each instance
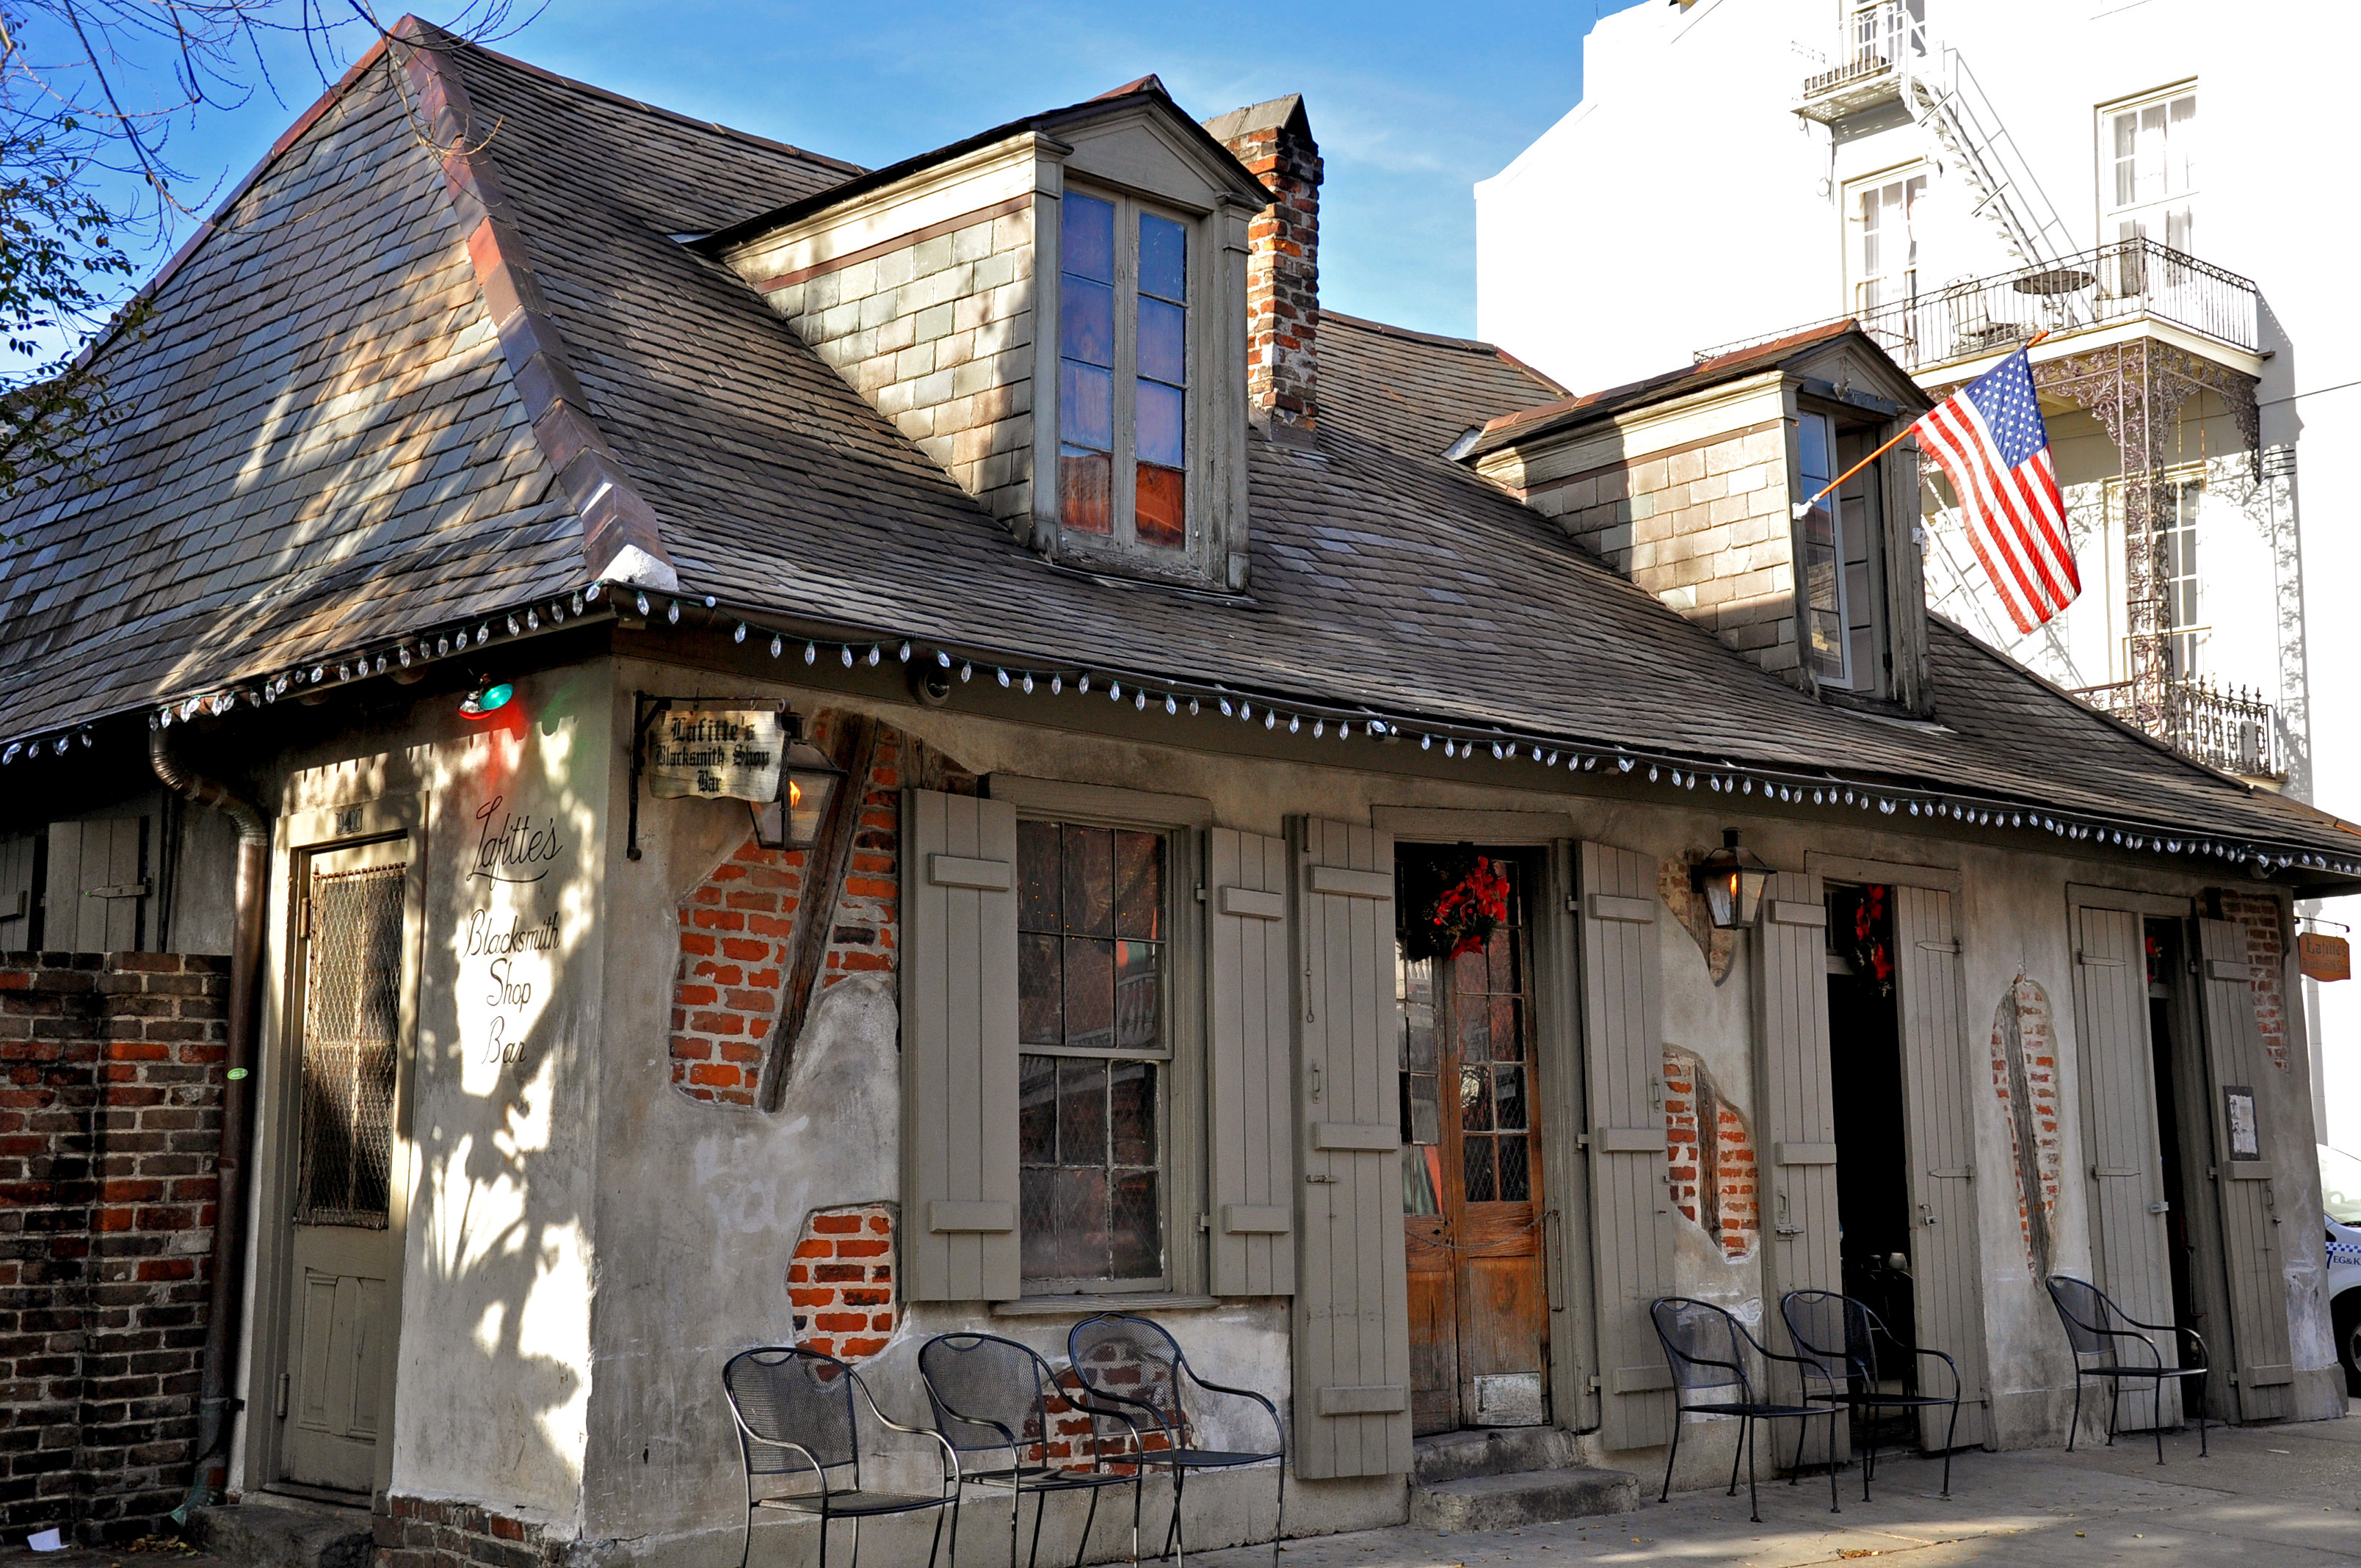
(2147, 150)
(1881, 245)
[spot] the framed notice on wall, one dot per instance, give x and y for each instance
(2238, 1115)
(731, 753)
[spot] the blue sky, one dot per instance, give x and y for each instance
(1411, 102)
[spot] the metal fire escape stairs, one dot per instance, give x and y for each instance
(1951, 107)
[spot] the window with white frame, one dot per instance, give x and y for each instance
(1123, 372)
(1093, 963)
(1840, 578)
(2179, 592)
(1882, 254)
(2147, 170)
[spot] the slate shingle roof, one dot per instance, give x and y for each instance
(325, 446)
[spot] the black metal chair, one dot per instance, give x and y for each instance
(992, 1395)
(794, 1412)
(1130, 1361)
(1710, 1352)
(2096, 1326)
(1837, 1337)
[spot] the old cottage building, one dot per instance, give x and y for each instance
(506, 458)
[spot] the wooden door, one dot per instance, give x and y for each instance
(1946, 1264)
(351, 937)
(1796, 1112)
(2241, 1155)
(1472, 1183)
(2119, 1135)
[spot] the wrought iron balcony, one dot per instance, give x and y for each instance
(1882, 41)
(2222, 727)
(2130, 282)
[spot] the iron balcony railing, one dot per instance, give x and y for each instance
(2230, 729)
(2132, 280)
(1877, 37)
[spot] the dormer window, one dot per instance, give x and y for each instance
(1123, 372)
(1841, 574)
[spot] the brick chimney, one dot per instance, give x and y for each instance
(1274, 141)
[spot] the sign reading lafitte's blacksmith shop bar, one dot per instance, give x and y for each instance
(717, 753)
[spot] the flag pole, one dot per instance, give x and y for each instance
(1803, 506)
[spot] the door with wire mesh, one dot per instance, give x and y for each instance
(1471, 1145)
(351, 929)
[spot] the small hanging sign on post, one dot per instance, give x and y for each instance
(717, 753)
(2323, 957)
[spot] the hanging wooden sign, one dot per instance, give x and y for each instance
(2322, 957)
(718, 753)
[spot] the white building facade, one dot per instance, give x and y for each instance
(2133, 182)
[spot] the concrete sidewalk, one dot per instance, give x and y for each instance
(2277, 1497)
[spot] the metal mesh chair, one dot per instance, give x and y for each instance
(1719, 1369)
(992, 1395)
(1836, 1337)
(1129, 1360)
(795, 1416)
(2095, 1326)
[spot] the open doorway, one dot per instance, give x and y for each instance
(1871, 1120)
(2184, 1136)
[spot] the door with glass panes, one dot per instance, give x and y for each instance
(1471, 1152)
(351, 929)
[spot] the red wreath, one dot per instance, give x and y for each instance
(1465, 912)
(1873, 954)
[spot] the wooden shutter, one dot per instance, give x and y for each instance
(99, 886)
(1796, 1122)
(1623, 1064)
(2247, 1195)
(19, 896)
(1936, 1063)
(1352, 1316)
(959, 1048)
(1250, 1085)
(2119, 1139)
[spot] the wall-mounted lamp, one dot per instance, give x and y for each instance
(1731, 880)
(807, 782)
(486, 697)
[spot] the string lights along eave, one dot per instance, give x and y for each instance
(1792, 787)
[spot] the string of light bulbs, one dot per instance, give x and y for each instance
(1198, 699)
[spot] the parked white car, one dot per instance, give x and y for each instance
(2340, 1201)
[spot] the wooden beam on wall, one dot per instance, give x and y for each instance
(852, 746)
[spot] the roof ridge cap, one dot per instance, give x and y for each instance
(621, 540)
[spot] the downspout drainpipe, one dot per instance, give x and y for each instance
(215, 1406)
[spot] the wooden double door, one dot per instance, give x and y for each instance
(1471, 1201)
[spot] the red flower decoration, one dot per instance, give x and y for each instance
(1467, 911)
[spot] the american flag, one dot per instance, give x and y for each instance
(1989, 438)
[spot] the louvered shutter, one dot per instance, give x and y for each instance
(1623, 1064)
(959, 1048)
(1352, 1316)
(1944, 1256)
(1249, 1082)
(1796, 1115)
(2258, 1297)
(2119, 1138)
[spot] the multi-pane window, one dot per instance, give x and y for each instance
(1093, 955)
(2148, 155)
(1839, 569)
(1465, 1070)
(2175, 526)
(1123, 372)
(1886, 259)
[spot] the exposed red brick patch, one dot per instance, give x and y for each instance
(2267, 951)
(2025, 1076)
(438, 1532)
(736, 926)
(848, 1305)
(1713, 1177)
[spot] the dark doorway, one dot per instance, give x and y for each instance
(1472, 1196)
(2182, 1139)
(1865, 1083)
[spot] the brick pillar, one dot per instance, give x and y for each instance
(1274, 141)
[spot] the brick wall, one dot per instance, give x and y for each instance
(737, 926)
(109, 1123)
(2265, 928)
(841, 1283)
(1711, 1152)
(2025, 1076)
(432, 1532)
(938, 336)
(1704, 528)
